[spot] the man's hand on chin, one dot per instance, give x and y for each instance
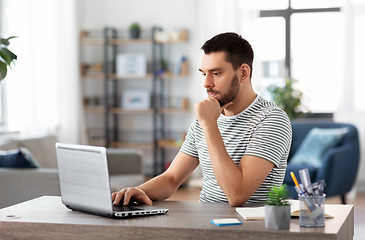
(208, 110)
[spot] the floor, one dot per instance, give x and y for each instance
(192, 194)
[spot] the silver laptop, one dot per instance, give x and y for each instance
(84, 182)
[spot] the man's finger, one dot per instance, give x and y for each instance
(147, 200)
(138, 195)
(118, 196)
(127, 197)
(143, 197)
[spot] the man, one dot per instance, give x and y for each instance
(240, 140)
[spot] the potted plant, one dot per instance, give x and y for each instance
(6, 57)
(287, 98)
(135, 30)
(277, 208)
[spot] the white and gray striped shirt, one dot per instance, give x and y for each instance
(261, 130)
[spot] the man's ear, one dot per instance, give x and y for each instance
(244, 72)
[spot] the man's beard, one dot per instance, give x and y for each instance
(231, 95)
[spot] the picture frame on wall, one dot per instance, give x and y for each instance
(136, 99)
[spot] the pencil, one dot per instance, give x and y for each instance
(294, 179)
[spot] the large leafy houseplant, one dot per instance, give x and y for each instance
(6, 57)
(287, 98)
(277, 208)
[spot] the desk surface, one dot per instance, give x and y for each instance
(47, 218)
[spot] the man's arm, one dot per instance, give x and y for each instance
(237, 183)
(162, 186)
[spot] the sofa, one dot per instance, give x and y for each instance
(18, 184)
(338, 164)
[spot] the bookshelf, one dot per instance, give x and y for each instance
(108, 108)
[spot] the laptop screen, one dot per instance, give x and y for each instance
(84, 178)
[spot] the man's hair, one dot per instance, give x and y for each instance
(237, 49)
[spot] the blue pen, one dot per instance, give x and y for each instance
(311, 206)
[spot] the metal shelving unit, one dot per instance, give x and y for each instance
(111, 108)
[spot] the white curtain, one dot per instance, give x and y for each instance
(43, 88)
(352, 108)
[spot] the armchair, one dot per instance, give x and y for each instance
(340, 163)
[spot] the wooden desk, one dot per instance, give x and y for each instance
(47, 218)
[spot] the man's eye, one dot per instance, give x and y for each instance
(204, 74)
(216, 74)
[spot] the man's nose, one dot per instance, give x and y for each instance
(208, 81)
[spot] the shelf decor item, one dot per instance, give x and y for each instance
(6, 56)
(131, 64)
(134, 30)
(136, 99)
(277, 208)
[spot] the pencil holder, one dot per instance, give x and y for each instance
(312, 211)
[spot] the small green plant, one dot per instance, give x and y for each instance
(287, 98)
(278, 196)
(6, 56)
(135, 26)
(134, 30)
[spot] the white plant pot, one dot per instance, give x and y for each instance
(277, 217)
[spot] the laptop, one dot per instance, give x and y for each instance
(84, 183)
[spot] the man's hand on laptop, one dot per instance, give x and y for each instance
(126, 194)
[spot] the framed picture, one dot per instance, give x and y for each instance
(136, 99)
(131, 64)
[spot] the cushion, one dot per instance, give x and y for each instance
(315, 144)
(19, 158)
(43, 149)
(9, 145)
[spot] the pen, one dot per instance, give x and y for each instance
(315, 187)
(306, 181)
(321, 186)
(311, 207)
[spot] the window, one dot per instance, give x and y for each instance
(300, 4)
(270, 53)
(317, 58)
(313, 51)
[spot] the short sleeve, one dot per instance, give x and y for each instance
(189, 147)
(272, 138)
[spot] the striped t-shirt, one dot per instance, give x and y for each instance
(261, 130)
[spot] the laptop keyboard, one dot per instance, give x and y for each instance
(121, 208)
